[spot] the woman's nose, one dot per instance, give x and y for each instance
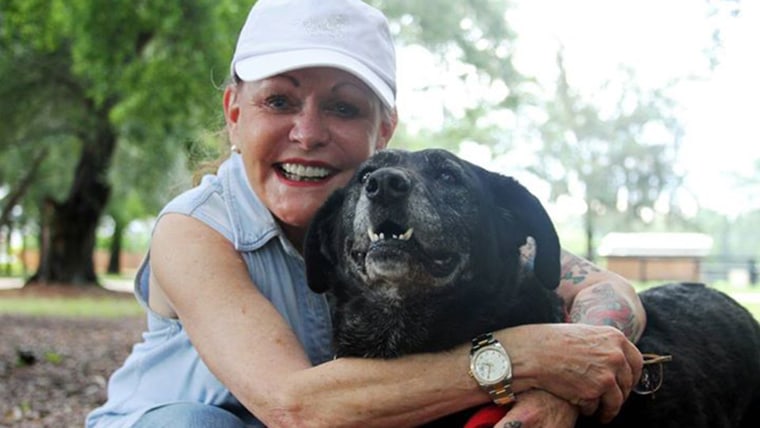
(309, 128)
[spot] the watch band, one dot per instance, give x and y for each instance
(482, 341)
(501, 393)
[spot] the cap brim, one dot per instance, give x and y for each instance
(267, 65)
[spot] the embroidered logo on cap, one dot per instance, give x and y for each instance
(331, 26)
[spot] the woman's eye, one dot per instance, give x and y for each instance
(345, 110)
(278, 102)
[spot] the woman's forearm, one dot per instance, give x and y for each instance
(599, 297)
(407, 391)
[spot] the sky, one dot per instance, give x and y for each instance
(660, 40)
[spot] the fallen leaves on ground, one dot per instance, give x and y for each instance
(53, 371)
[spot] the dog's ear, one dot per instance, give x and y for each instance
(319, 251)
(518, 202)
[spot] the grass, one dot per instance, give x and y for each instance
(116, 307)
(77, 304)
(749, 297)
(752, 304)
(82, 307)
(754, 308)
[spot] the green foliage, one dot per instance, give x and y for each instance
(155, 67)
(53, 357)
(471, 38)
(471, 31)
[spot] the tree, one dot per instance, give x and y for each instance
(619, 159)
(104, 79)
(472, 40)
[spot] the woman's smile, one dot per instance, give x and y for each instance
(304, 172)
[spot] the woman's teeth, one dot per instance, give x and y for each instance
(298, 172)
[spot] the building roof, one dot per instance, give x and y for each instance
(654, 244)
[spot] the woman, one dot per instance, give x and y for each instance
(233, 330)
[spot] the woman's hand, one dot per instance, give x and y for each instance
(592, 367)
(539, 409)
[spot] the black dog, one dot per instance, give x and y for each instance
(420, 252)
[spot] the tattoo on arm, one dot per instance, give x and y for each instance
(598, 301)
(602, 305)
(576, 269)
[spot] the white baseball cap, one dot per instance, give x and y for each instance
(283, 35)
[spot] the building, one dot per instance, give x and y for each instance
(656, 256)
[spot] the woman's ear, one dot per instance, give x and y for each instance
(231, 112)
(231, 105)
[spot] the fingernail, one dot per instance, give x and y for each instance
(513, 424)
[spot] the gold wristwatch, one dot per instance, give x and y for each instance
(491, 367)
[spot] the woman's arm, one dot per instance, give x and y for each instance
(600, 297)
(251, 349)
(592, 296)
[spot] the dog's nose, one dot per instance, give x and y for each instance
(387, 184)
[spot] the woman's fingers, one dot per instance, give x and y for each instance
(636, 360)
(591, 367)
(588, 407)
(539, 409)
(610, 404)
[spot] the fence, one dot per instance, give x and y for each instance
(737, 270)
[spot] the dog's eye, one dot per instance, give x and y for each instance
(447, 176)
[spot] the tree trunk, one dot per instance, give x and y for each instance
(18, 190)
(114, 262)
(589, 229)
(8, 265)
(24, 252)
(68, 227)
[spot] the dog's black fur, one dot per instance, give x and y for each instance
(458, 273)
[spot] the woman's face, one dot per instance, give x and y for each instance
(302, 134)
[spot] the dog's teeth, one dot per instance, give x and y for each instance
(406, 235)
(374, 237)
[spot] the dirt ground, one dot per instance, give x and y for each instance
(53, 371)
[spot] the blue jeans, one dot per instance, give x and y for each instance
(189, 415)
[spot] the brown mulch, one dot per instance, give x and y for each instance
(54, 370)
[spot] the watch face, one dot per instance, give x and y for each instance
(491, 366)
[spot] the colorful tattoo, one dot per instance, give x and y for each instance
(602, 305)
(576, 269)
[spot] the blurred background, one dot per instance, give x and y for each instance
(633, 121)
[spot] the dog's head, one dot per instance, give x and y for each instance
(410, 223)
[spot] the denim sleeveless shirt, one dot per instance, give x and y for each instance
(165, 368)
